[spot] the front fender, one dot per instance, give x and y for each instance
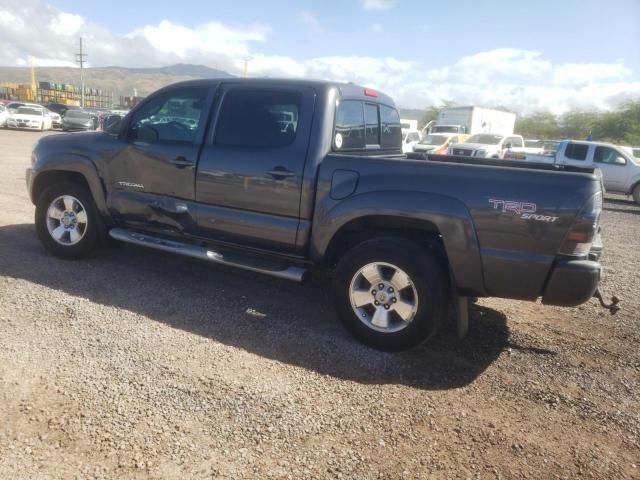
(449, 215)
(69, 162)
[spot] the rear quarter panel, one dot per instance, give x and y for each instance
(491, 251)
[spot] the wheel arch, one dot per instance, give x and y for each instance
(441, 222)
(72, 168)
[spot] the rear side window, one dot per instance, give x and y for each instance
(258, 119)
(372, 124)
(349, 125)
(391, 132)
(576, 151)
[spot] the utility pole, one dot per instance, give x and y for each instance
(246, 64)
(80, 59)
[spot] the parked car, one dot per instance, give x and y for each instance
(438, 143)
(77, 120)
(29, 117)
(488, 145)
(61, 108)
(409, 139)
(620, 169)
(472, 120)
(4, 114)
(56, 119)
(12, 107)
(404, 240)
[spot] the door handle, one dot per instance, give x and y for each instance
(181, 162)
(280, 173)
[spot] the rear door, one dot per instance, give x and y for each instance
(576, 154)
(249, 179)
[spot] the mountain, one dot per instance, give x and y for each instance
(119, 80)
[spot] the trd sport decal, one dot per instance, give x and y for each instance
(526, 210)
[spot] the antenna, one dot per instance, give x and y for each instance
(80, 59)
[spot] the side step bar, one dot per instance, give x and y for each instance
(246, 262)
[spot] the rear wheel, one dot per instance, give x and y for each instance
(390, 294)
(67, 222)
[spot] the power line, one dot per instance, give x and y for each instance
(81, 60)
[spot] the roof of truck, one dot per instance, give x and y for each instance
(347, 90)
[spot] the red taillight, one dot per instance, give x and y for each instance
(584, 229)
(369, 92)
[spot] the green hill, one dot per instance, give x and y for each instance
(119, 80)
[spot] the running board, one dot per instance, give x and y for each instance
(246, 262)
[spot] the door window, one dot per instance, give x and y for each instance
(258, 119)
(576, 151)
(170, 117)
(608, 155)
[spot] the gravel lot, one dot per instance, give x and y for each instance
(137, 364)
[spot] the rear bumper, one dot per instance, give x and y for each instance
(572, 282)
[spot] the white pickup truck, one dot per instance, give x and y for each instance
(620, 170)
(488, 145)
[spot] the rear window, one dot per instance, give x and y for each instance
(349, 125)
(361, 125)
(391, 132)
(372, 124)
(576, 151)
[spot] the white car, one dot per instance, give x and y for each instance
(3, 115)
(409, 138)
(488, 145)
(29, 117)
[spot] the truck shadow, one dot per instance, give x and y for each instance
(275, 319)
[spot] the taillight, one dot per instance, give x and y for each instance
(580, 237)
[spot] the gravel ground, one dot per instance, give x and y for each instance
(137, 364)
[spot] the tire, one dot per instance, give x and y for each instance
(636, 194)
(422, 301)
(54, 202)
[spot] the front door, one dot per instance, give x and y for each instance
(614, 167)
(249, 179)
(150, 180)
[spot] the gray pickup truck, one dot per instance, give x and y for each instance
(283, 177)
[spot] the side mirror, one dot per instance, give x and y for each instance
(620, 161)
(112, 124)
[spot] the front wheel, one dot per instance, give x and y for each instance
(390, 293)
(636, 194)
(67, 222)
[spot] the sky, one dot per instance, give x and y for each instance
(528, 56)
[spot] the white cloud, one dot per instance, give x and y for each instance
(376, 28)
(377, 4)
(67, 24)
(310, 21)
(522, 80)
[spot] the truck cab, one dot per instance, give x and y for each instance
(620, 170)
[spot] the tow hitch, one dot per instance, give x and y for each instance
(612, 307)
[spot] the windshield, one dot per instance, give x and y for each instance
(77, 114)
(29, 111)
(445, 129)
(434, 140)
(485, 139)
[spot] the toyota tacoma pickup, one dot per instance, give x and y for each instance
(284, 177)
